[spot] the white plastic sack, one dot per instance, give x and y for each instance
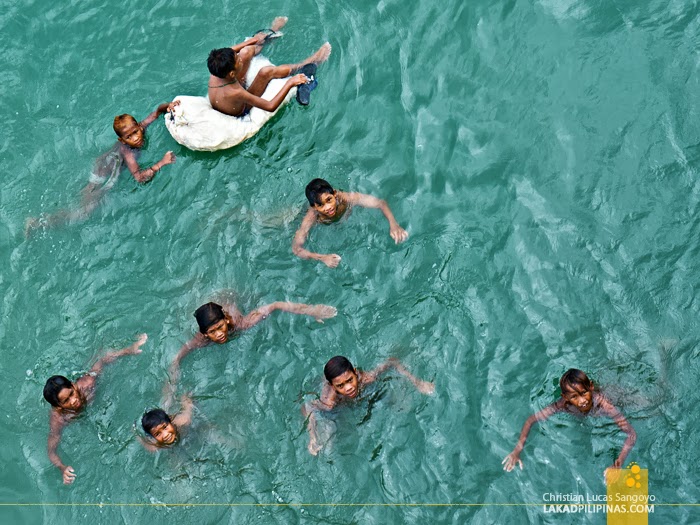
(198, 126)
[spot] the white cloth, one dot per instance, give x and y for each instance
(200, 127)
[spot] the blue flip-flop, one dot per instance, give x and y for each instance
(304, 90)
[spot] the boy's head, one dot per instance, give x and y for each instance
(221, 62)
(128, 130)
(61, 393)
(213, 322)
(577, 389)
(159, 425)
(342, 376)
(321, 197)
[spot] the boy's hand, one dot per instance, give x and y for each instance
(299, 79)
(172, 105)
(168, 158)
(68, 475)
(332, 260)
(314, 447)
(611, 475)
(398, 233)
(323, 311)
(136, 347)
(425, 387)
(511, 460)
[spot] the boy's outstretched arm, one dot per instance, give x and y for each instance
(198, 341)
(513, 459)
(331, 260)
(317, 311)
(424, 387)
(56, 424)
(165, 107)
(133, 349)
(368, 201)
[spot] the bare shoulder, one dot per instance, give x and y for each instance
(367, 378)
(231, 309)
(86, 384)
(604, 404)
(57, 420)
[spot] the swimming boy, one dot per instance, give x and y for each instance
(344, 382)
(228, 91)
(579, 398)
(68, 399)
(130, 139)
(327, 205)
(165, 430)
(217, 323)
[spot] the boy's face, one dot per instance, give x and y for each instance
(218, 332)
(346, 384)
(70, 399)
(328, 205)
(579, 396)
(165, 433)
(132, 135)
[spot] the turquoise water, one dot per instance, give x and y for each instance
(542, 157)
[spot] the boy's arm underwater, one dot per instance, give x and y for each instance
(56, 424)
(331, 260)
(424, 387)
(317, 311)
(613, 413)
(368, 201)
(198, 341)
(184, 418)
(308, 410)
(513, 459)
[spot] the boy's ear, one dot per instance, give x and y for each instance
(120, 139)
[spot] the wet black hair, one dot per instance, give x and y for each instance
(207, 315)
(53, 386)
(315, 189)
(574, 377)
(336, 366)
(154, 418)
(221, 61)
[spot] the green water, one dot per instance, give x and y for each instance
(542, 156)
